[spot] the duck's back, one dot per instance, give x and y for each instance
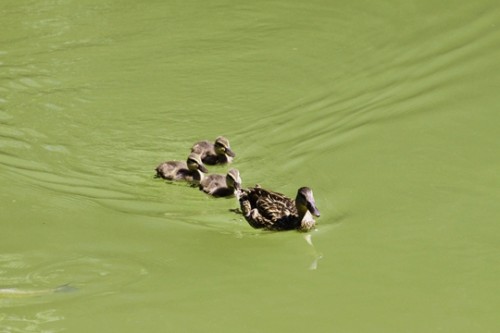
(273, 210)
(207, 153)
(203, 148)
(171, 170)
(216, 185)
(212, 182)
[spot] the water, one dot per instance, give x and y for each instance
(387, 110)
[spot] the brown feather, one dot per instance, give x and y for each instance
(269, 210)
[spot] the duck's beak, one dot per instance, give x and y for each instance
(311, 206)
(202, 168)
(229, 152)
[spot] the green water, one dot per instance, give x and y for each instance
(387, 110)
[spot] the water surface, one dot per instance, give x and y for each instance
(387, 110)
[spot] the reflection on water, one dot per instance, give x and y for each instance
(316, 255)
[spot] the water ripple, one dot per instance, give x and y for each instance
(26, 278)
(29, 279)
(35, 322)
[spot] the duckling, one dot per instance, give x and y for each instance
(191, 170)
(214, 153)
(222, 185)
(274, 211)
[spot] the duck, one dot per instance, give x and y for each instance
(264, 209)
(218, 152)
(218, 185)
(192, 170)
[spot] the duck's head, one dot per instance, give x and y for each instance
(233, 179)
(194, 163)
(305, 201)
(221, 147)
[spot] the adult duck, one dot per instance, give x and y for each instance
(274, 211)
(191, 170)
(218, 152)
(222, 185)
